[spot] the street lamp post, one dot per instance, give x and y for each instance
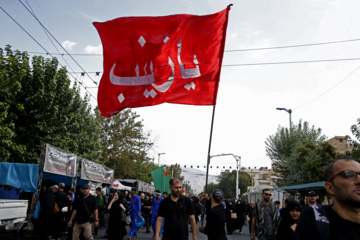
(238, 163)
(288, 111)
(159, 157)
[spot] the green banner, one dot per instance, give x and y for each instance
(161, 182)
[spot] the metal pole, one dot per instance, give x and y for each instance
(290, 118)
(208, 157)
(237, 178)
(252, 178)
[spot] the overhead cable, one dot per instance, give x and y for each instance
(236, 50)
(41, 46)
(329, 88)
(57, 41)
(272, 63)
(293, 46)
(51, 40)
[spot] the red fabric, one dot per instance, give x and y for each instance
(142, 66)
(166, 174)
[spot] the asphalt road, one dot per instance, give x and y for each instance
(142, 235)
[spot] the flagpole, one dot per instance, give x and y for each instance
(215, 93)
(208, 159)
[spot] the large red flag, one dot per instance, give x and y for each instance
(152, 60)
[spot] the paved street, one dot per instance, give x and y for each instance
(142, 235)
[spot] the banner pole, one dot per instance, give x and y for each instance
(208, 157)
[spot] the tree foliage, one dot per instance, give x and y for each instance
(125, 145)
(307, 163)
(38, 105)
(227, 182)
(299, 155)
(210, 187)
(355, 130)
(175, 172)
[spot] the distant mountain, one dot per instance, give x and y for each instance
(196, 179)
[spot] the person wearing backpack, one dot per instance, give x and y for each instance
(266, 217)
(342, 219)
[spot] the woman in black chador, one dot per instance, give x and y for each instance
(240, 215)
(287, 226)
(230, 222)
(117, 228)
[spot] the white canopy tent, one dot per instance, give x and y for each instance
(117, 185)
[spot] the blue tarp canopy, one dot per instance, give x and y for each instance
(63, 179)
(314, 186)
(22, 176)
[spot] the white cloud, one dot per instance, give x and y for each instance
(94, 49)
(68, 45)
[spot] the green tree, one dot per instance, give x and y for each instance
(210, 187)
(39, 106)
(355, 130)
(281, 146)
(175, 171)
(125, 145)
(307, 163)
(227, 182)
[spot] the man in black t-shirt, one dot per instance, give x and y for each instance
(215, 220)
(146, 212)
(342, 219)
(177, 210)
(62, 201)
(83, 207)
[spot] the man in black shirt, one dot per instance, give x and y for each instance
(177, 210)
(215, 220)
(62, 201)
(342, 219)
(146, 212)
(82, 209)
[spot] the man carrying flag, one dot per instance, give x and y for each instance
(152, 60)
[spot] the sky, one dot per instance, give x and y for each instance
(324, 93)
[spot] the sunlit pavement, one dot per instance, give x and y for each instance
(142, 235)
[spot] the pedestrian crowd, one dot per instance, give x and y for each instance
(173, 216)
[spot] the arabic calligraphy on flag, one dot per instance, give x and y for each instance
(153, 60)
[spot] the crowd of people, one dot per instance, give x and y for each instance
(171, 216)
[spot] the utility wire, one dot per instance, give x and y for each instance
(51, 40)
(41, 46)
(329, 88)
(274, 63)
(238, 50)
(57, 42)
(290, 62)
(293, 46)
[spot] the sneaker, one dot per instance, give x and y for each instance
(130, 238)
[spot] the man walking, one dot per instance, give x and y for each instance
(342, 219)
(154, 210)
(101, 208)
(146, 213)
(83, 207)
(311, 197)
(266, 217)
(61, 200)
(177, 210)
(215, 221)
(135, 211)
(107, 213)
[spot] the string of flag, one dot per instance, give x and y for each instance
(211, 167)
